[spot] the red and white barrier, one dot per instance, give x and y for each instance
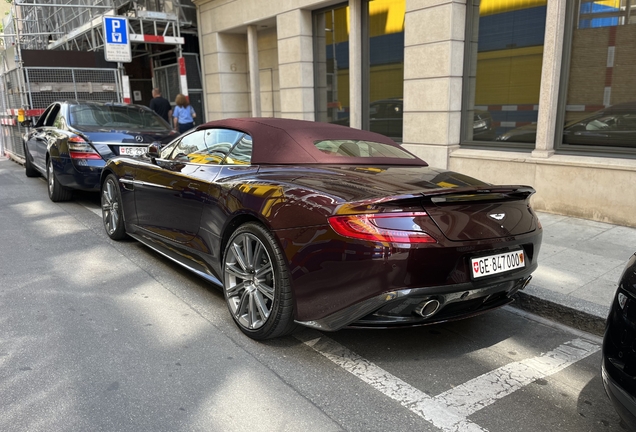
(183, 80)
(27, 113)
(125, 83)
(169, 40)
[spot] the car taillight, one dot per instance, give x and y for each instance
(383, 227)
(80, 149)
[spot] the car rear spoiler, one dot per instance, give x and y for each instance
(480, 193)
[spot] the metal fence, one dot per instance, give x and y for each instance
(35, 88)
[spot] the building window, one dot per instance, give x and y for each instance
(502, 81)
(383, 68)
(599, 113)
(331, 57)
(386, 67)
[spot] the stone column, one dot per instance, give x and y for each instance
(255, 81)
(355, 63)
(550, 78)
(295, 64)
(433, 73)
(226, 76)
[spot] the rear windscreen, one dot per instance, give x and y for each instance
(364, 149)
(120, 117)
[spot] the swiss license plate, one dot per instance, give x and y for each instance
(500, 263)
(132, 151)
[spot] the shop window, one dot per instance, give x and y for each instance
(599, 109)
(383, 66)
(331, 57)
(502, 81)
(386, 67)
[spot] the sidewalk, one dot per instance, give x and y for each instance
(579, 266)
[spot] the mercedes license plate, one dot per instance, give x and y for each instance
(500, 263)
(132, 151)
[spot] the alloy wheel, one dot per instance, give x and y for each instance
(110, 207)
(50, 177)
(249, 281)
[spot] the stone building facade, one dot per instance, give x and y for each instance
(515, 92)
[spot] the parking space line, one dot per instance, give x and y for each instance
(449, 410)
(408, 396)
(484, 390)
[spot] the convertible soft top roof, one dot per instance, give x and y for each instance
(288, 141)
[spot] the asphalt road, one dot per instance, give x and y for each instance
(97, 335)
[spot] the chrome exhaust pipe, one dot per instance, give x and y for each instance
(526, 282)
(428, 308)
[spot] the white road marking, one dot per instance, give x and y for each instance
(415, 400)
(482, 391)
(448, 411)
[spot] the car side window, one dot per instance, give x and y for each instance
(43, 117)
(52, 116)
(241, 154)
(189, 148)
(59, 122)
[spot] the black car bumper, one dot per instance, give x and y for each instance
(79, 174)
(423, 306)
(624, 403)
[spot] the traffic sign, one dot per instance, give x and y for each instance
(116, 40)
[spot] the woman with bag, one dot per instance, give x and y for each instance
(183, 114)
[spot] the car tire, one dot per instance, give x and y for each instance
(57, 192)
(112, 212)
(29, 169)
(256, 283)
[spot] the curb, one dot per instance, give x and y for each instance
(571, 317)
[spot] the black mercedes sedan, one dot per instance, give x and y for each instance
(619, 347)
(325, 226)
(72, 140)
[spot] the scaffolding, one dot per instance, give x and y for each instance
(77, 24)
(35, 28)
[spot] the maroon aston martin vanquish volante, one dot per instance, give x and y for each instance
(323, 225)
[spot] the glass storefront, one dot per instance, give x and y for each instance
(600, 99)
(383, 69)
(331, 57)
(504, 57)
(386, 67)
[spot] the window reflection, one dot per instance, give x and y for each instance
(505, 59)
(385, 67)
(600, 107)
(331, 53)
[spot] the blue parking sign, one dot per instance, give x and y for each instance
(116, 30)
(116, 40)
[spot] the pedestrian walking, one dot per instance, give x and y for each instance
(183, 114)
(160, 105)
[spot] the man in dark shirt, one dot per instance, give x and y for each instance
(160, 105)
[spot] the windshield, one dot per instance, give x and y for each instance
(116, 117)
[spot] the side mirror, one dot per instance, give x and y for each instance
(26, 123)
(153, 151)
